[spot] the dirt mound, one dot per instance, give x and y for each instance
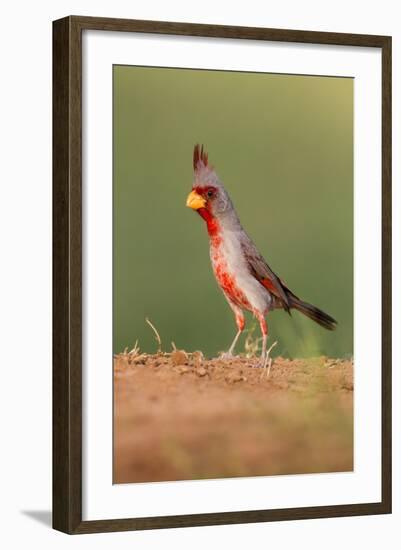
(179, 416)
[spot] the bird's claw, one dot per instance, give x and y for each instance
(266, 361)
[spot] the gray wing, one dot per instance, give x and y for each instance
(263, 273)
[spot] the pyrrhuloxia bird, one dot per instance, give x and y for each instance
(246, 280)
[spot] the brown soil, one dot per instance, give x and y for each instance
(179, 416)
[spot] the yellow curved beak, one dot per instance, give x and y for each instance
(195, 201)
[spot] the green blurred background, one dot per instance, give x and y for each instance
(283, 146)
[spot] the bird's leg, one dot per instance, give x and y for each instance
(264, 330)
(265, 360)
(240, 322)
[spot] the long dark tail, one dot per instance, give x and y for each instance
(314, 313)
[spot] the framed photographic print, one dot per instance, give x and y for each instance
(222, 274)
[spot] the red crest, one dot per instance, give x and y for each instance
(200, 155)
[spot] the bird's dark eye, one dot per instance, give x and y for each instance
(210, 193)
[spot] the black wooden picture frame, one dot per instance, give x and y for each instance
(67, 273)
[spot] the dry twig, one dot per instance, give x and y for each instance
(157, 335)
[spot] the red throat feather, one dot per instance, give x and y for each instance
(212, 225)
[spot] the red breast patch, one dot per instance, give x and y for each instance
(228, 284)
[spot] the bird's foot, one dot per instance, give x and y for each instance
(266, 361)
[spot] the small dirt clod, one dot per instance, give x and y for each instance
(201, 371)
(179, 357)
